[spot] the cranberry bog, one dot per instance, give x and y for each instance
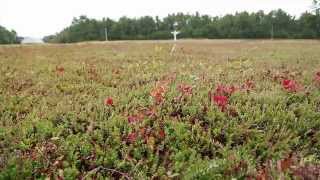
(207, 109)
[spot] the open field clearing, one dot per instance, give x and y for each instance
(217, 109)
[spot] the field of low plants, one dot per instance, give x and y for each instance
(217, 109)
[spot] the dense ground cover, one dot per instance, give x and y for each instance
(132, 110)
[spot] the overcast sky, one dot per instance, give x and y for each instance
(37, 18)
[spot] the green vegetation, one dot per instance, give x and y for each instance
(133, 110)
(8, 37)
(239, 25)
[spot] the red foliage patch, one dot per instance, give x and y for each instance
(162, 134)
(221, 95)
(143, 130)
(132, 137)
(317, 78)
(318, 74)
(262, 174)
(135, 118)
(108, 101)
(222, 90)
(185, 89)
(285, 164)
(220, 101)
(248, 85)
(290, 85)
(145, 133)
(60, 70)
(158, 93)
(151, 112)
(307, 172)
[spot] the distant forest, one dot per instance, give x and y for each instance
(278, 24)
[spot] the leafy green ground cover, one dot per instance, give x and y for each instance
(133, 110)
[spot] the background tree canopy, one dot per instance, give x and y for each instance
(239, 25)
(8, 37)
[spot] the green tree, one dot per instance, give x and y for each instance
(316, 6)
(8, 37)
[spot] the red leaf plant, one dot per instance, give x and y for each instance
(222, 90)
(317, 78)
(161, 88)
(141, 114)
(158, 93)
(220, 101)
(248, 85)
(135, 118)
(307, 171)
(132, 137)
(185, 89)
(290, 85)
(162, 134)
(60, 70)
(143, 130)
(285, 164)
(221, 95)
(263, 174)
(108, 101)
(150, 112)
(145, 133)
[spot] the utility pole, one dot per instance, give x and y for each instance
(106, 33)
(316, 9)
(272, 31)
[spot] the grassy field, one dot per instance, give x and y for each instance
(217, 109)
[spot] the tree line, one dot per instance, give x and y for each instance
(278, 24)
(8, 37)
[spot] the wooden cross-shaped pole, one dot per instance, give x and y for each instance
(175, 33)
